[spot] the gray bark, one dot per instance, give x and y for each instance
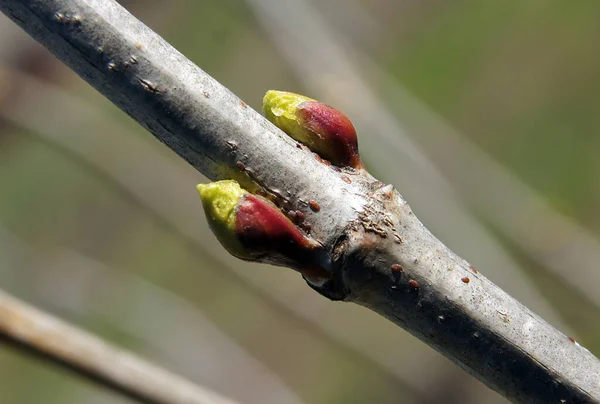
(366, 226)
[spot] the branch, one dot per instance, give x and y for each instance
(52, 339)
(418, 283)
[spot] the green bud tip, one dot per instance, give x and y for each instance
(281, 108)
(220, 200)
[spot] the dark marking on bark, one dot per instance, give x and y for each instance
(314, 206)
(149, 86)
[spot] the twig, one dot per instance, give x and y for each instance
(49, 338)
(437, 296)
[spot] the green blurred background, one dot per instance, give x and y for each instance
(483, 114)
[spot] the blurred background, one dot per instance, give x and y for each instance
(483, 114)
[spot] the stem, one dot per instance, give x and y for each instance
(366, 226)
(47, 337)
(462, 314)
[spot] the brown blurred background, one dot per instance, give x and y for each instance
(483, 114)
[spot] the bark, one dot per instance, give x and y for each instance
(382, 257)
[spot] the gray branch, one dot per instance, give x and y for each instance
(383, 257)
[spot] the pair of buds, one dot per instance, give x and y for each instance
(251, 227)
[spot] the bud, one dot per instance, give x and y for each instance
(252, 228)
(220, 200)
(324, 129)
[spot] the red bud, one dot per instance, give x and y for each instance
(338, 141)
(266, 233)
(325, 130)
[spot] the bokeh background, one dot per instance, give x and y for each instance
(483, 114)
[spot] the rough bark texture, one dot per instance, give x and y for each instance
(382, 256)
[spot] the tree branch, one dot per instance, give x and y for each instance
(47, 337)
(382, 256)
